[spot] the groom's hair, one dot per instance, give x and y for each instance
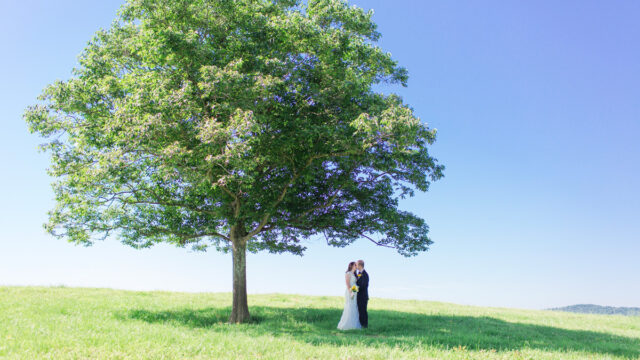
(361, 263)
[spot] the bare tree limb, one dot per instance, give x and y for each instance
(375, 242)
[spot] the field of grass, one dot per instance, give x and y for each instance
(90, 323)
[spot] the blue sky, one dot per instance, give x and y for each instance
(537, 107)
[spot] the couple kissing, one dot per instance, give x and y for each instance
(356, 296)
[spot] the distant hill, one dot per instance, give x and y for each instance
(597, 309)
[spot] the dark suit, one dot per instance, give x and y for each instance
(363, 297)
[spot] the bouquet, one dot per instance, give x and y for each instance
(354, 290)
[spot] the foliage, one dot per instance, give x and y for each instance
(186, 119)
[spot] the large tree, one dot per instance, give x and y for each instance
(235, 124)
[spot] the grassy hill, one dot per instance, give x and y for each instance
(89, 323)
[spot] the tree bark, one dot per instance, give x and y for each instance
(240, 309)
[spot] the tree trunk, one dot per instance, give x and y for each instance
(240, 310)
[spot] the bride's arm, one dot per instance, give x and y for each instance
(346, 279)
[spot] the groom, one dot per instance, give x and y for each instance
(363, 293)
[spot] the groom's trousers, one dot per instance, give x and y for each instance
(362, 311)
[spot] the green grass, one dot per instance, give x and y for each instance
(89, 323)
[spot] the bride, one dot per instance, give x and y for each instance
(350, 318)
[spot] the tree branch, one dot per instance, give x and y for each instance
(375, 242)
(164, 203)
(184, 236)
(296, 175)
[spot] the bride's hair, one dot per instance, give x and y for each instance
(351, 265)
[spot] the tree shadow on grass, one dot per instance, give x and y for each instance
(396, 328)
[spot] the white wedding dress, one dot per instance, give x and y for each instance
(350, 318)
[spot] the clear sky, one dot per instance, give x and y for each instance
(537, 106)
